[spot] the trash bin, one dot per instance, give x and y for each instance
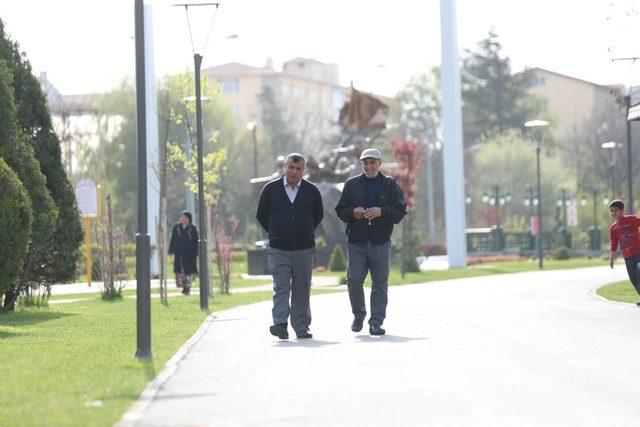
(257, 260)
(595, 241)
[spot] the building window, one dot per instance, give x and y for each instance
(229, 86)
(284, 90)
(539, 81)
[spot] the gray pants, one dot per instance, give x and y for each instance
(363, 259)
(291, 272)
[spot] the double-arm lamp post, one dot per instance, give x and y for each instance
(202, 241)
(538, 140)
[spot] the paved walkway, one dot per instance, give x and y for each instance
(527, 349)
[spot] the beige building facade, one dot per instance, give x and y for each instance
(307, 91)
(573, 103)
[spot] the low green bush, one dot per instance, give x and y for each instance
(338, 261)
(561, 253)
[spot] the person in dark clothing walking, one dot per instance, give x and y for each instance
(290, 209)
(184, 247)
(371, 203)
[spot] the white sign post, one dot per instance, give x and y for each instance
(87, 195)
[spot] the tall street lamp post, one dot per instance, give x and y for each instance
(497, 199)
(627, 102)
(253, 127)
(611, 146)
(143, 241)
(202, 241)
(538, 140)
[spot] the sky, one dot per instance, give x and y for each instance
(87, 46)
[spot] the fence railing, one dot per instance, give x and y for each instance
(498, 240)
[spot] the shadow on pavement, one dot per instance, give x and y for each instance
(303, 343)
(388, 338)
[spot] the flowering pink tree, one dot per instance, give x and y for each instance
(409, 156)
(224, 240)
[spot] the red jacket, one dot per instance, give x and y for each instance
(624, 233)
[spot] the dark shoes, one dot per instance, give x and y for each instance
(356, 325)
(304, 335)
(376, 330)
(279, 331)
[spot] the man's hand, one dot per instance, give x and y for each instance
(358, 213)
(372, 213)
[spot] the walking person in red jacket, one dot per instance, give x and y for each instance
(624, 234)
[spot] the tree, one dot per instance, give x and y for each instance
(494, 98)
(15, 221)
(509, 160)
(280, 139)
(19, 155)
(57, 261)
(409, 155)
(418, 116)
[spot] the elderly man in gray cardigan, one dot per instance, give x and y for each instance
(290, 209)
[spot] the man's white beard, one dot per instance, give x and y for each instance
(371, 176)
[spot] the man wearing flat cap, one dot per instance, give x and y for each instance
(370, 204)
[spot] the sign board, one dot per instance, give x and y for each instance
(87, 196)
(534, 225)
(572, 214)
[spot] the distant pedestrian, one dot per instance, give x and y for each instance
(184, 248)
(371, 203)
(290, 209)
(624, 234)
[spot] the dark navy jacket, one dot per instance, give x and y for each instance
(291, 226)
(390, 201)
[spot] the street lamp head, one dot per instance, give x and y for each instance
(232, 36)
(467, 199)
(508, 196)
(583, 201)
(492, 201)
(252, 124)
(535, 202)
(193, 98)
(536, 123)
(485, 198)
(610, 144)
(527, 202)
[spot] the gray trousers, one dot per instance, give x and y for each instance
(291, 271)
(363, 259)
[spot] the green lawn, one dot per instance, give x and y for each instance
(57, 361)
(620, 291)
(72, 364)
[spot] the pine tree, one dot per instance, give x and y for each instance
(495, 99)
(15, 221)
(281, 138)
(57, 261)
(19, 155)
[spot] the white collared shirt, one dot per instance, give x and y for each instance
(291, 192)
